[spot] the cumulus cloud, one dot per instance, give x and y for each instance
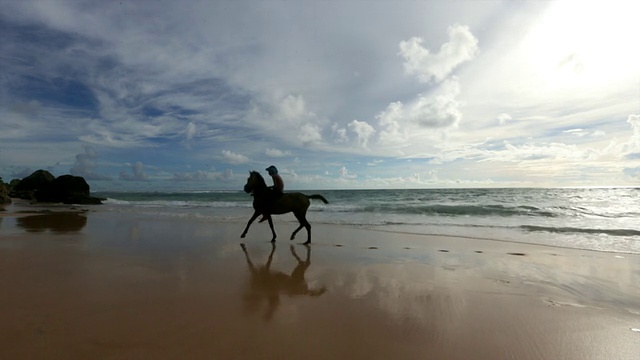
(503, 118)
(226, 175)
(233, 158)
(339, 134)
(362, 130)
(293, 109)
(389, 121)
(271, 152)
(437, 111)
(631, 149)
(85, 165)
(288, 115)
(309, 133)
(345, 174)
(137, 173)
(427, 66)
(191, 176)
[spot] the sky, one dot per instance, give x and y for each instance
(191, 95)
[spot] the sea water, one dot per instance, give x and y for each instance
(602, 219)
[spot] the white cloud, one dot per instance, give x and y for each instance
(191, 131)
(585, 133)
(503, 118)
(436, 111)
(233, 158)
(427, 66)
(339, 134)
(362, 130)
(439, 112)
(137, 173)
(85, 165)
(544, 151)
(293, 107)
(390, 121)
(309, 133)
(631, 148)
(199, 75)
(286, 118)
(191, 176)
(275, 153)
(226, 175)
(345, 174)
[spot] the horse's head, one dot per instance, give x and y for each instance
(255, 181)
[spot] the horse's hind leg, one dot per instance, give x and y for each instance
(303, 223)
(293, 235)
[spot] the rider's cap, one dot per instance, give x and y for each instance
(271, 169)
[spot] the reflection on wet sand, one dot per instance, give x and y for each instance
(57, 221)
(267, 284)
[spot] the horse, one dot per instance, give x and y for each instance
(263, 203)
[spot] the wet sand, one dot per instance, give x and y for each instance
(78, 284)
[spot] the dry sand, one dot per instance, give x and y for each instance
(80, 284)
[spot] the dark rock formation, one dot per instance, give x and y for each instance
(66, 189)
(4, 194)
(26, 188)
(43, 187)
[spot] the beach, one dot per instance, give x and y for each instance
(80, 282)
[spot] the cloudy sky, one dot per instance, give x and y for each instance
(154, 95)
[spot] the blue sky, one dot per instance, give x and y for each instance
(161, 95)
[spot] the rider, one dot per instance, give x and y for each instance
(277, 189)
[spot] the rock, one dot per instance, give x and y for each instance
(26, 187)
(4, 194)
(43, 187)
(67, 189)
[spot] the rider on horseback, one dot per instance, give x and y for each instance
(276, 190)
(278, 184)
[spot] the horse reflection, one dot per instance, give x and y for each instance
(267, 284)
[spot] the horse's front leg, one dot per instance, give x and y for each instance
(272, 230)
(253, 218)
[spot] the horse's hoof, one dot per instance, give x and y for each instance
(273, 241)
(242, 236)
(306, 242)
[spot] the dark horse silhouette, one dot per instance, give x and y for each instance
(268, 284)
(263, 203)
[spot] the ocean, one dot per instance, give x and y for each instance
(600, 219)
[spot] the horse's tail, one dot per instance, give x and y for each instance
(318, 197)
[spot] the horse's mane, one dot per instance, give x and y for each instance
(259, 178)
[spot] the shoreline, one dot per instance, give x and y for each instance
(22, 208)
